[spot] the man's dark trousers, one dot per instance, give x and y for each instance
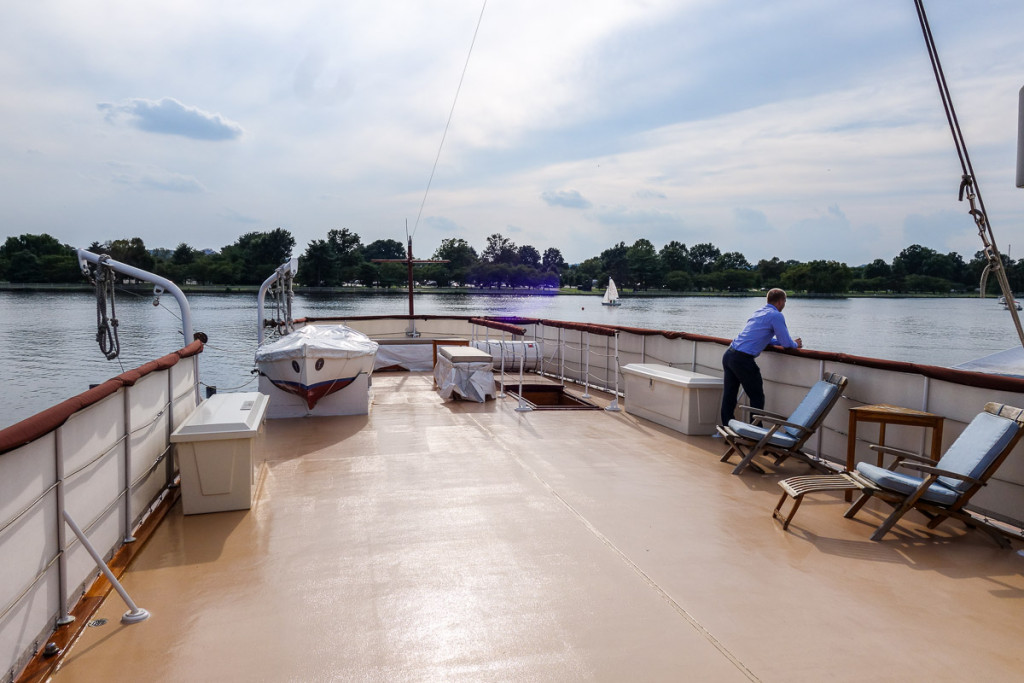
(740, 370)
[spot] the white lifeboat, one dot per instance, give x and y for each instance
(316, 361)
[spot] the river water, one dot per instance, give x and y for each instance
(49, 350)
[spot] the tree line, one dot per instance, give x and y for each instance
(341, 259)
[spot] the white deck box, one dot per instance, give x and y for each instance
(686, 401)
(464, 372)
(220, 452)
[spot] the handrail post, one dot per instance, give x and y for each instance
(62, 541)
(501, 352)
(523, 405)
(614, 405)
(169, 467)
(561, 354)
(128, 538)
(134, 613)
(586, 369)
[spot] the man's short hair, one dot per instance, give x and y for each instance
(775, 295)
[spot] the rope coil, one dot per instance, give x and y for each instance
(106, 326)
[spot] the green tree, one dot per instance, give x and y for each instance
(53, 261)
(643, 262)
(529, 256)
(675, 257)
(347, 248)
(732, 260)
(132, 252)
(770, 272)
(615, 263)
(877, 268)
(318, 266)
(731, 280)
(461, 259)
(679, 281)
(391, 249)
(23, 267)
(587, 272)
(552, 260)
(818, 277)
(927, 283)
(255, 255)
(912, 259)
(500, 249)
(703, 257)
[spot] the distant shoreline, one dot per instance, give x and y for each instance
(486, 291)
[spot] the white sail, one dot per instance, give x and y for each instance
(611, 295)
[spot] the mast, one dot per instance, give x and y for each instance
(409, 261)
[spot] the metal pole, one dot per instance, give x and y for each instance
(523, 405)
(561, 357)
(128, 538)
(501, 347)
(62, 541)
(169, 468)
(134, 613)
(614, 405)
(586, 369)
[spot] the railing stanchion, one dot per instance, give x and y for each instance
(501, 346)
(62, 541)
(614, 405)
(523, 405)
(561, 354)
(128, 538)
(586, 369)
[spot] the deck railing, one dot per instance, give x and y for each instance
(103, 458)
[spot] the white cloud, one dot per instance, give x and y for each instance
(168, 116)
(570, 199)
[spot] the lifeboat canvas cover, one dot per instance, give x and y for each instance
(315, 361)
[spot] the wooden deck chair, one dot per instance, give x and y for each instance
(783, 437)
(945, 487)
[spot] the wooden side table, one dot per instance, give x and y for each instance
(884, 414)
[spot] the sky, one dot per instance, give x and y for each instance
(802, 129)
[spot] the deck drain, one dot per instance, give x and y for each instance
(97, 622)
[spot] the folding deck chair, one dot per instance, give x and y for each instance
(945, 487)
(772, 434)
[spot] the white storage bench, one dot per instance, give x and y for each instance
(686, 401)
(463, 371)
(220, 452)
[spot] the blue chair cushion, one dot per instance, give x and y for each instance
(818, 397)
(780, 438)
(937, 493)
(978, 445)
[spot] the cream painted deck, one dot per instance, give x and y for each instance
(458, 541)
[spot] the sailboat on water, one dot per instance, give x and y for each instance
(611, 295)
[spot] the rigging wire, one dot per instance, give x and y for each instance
(446, 125)
(968, 183)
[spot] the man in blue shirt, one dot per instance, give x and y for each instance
(766, 326)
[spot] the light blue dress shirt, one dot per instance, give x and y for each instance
(766, 326)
